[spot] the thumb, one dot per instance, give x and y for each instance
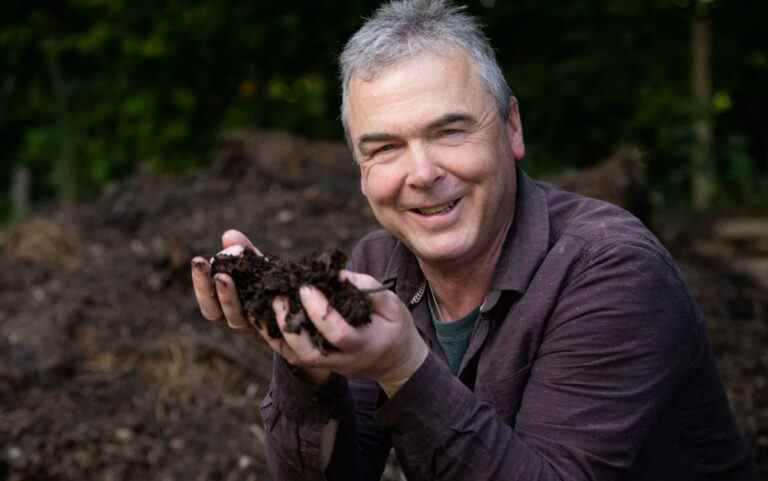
(235, 237)
(361, 281)
(384, 302)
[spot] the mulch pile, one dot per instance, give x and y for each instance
(109, 372)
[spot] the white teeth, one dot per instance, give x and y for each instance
(436, 210)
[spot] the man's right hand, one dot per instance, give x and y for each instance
(218, 301)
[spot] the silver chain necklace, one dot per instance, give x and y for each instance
(420, 294)
(439, 314)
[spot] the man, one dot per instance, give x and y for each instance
(532, 334)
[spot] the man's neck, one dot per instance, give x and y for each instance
(461, 287)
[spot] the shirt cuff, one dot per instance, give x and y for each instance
(413, 407)
(302, 401)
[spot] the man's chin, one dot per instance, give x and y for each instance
(438, 252)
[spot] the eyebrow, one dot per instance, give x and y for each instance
(442, 121)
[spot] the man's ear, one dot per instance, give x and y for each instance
(515, 130)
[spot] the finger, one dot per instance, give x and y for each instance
(233, 250)
(278, 345)
(280, 307)
(361, 281)
(331, 325)
(316, 375)
(235, 237)
(384, 301)
(204, 291)
(307, 354)
(230, 302)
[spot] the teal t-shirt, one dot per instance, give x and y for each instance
(454, 336)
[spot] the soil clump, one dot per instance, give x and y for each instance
(260, 279)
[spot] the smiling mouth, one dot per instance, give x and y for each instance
(438, 209)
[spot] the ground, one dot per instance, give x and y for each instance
(108, 371)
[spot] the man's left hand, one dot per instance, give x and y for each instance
(388, 350)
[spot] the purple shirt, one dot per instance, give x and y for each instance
(589, 361)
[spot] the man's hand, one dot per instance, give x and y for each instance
(218, 299)
(389, 349)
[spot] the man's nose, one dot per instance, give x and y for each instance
(424, 171)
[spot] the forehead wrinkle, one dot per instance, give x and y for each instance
(451, 118)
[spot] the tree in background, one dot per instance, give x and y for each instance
(91, 89)
(703, 177)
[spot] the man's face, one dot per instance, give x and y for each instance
(437, 161)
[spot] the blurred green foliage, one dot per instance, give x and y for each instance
(91, 89)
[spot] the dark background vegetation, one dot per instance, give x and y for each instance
(113, 175)
(90, 90)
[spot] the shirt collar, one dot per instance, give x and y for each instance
(527, 241)
(525, 246)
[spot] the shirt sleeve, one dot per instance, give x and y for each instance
(294, 413)
(619, 342)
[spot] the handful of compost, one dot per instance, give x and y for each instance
(259, 279)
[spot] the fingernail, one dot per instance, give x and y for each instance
(234, 250)
(198, 264)
(279, 304)
(221, 280)
(305, 291)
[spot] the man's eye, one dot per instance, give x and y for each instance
(383, 148)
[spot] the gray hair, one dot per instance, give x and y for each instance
(403, 28)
